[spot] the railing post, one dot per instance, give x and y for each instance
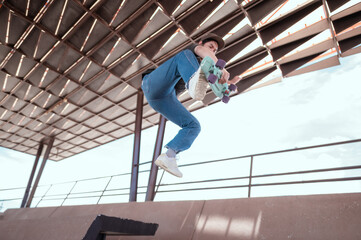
(250, 177)
(110, 179)
(66, 197)
(154, 169)
(46, 156)
(136, 149)
(41, 199)
(27, 190)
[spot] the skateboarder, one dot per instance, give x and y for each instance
(162, 86)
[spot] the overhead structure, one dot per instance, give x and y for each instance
(71, 69)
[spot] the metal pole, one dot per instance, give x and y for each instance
(46, 156)
(154, 169)
(250, 177)
(136, 149)
(27, 190)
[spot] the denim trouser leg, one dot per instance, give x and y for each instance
(159, 91)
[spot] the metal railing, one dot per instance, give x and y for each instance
(177, 187)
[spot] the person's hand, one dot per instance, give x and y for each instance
(225, 76)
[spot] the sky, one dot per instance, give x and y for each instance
(314, 108)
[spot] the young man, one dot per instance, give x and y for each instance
(162, 86)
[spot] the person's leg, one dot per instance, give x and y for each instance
(161, 81)
(187, 65)
(174, 111)
(159, 91)
(192, 75)
(158, 88)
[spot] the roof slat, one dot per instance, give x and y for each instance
(250, 80)
(347, 21)
(276, 27)
(329, 62)
(289, 67)
(333, 5)
(261, 10)
(192, 21)
(349, 43)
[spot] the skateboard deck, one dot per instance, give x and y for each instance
(213, 73)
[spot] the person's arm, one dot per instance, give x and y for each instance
(202, 52)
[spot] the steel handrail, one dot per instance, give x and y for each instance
(105, 192)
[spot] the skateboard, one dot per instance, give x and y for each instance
(213, 72)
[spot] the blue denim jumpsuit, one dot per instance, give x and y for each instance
(158, 88)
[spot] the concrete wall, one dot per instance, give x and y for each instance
(297, 217)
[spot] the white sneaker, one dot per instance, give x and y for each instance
(197, 85)
(168, 164)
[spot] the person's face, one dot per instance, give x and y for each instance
(211, 45)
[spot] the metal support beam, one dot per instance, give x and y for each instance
(136, 149)
(154, 169)
(27, 190)
(46, 156)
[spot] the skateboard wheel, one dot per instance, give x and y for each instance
(221, 64)
(232, 87)
(212, 78)
(225, 99)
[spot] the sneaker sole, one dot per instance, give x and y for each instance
(162, 166)
(199, 88)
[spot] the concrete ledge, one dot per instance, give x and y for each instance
(336, 216)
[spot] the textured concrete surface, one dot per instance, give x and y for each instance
(336, 216)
